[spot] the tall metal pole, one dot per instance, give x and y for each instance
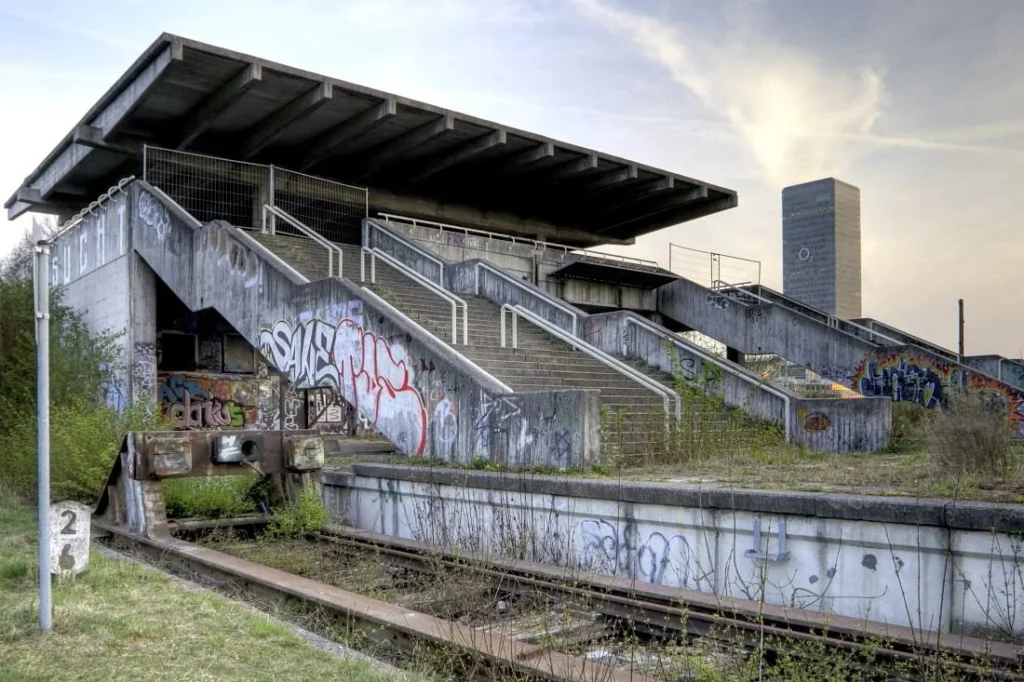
(42, 311)
(960, 304)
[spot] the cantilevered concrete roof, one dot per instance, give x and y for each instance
(413, 156)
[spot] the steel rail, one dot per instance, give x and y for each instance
(403, 627)
(703, 614)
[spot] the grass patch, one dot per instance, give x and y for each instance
(210, 497)
(122, 621)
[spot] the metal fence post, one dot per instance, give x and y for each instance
(42, 315)
(270, 198)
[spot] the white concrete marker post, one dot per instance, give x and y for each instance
(69, 538)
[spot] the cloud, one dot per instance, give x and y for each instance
(798, 119)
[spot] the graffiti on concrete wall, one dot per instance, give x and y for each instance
(153, 215)
(373, 374)
(144, 372)
(210, 401)
(623, 552)
(231, 255)
(908, 375)
(90, 244)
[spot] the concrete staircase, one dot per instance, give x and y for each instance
(633, 420)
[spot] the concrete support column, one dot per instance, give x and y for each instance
(142, 302)
(733, 355)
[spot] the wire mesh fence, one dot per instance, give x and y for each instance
(212, 188)
(711, 269)
(330, 208)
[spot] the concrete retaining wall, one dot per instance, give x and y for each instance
(823, 425)
(932, 564)
(91, 263)
(416, 391)
(897, 372)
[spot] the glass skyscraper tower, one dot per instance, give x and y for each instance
(821, 246)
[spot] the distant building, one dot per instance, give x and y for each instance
(821, 246)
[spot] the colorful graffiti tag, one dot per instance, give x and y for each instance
(922, 378)
(375, 376)
(204, 401)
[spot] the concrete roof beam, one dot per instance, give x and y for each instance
(300, 107)
(323, 145)
(196, 123)
(465, 151)
(522, 161)
(405, 143)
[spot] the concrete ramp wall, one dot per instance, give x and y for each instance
(903, 373)
(823, 425)
(424, 397)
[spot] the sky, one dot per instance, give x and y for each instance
(919, 103)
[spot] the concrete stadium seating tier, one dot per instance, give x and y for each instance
(426, 399)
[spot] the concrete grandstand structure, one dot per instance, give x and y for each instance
(286, 250)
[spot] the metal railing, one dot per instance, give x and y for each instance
(416, 277)
(539, 246)
(547, 298)
(212, 188)
(726, 367)
(398, 314)
(331, 248)
(517, 311)
(830, 320)
(371, 225)
(706, 267)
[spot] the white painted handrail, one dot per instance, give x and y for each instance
(332, 248)
(405, 242)
(395, 312)
(536, 243)
(708, 357)
(517, 311)
(432, 287)
(512, 280)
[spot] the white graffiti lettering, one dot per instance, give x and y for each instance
(153, 215)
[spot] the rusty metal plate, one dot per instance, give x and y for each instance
(171, 456)
(304, 453)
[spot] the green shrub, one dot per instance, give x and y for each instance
(306, 515)
(907, 421)
(85, 433)
(971, 435)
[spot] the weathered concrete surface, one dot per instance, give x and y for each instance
(934, 564)
(823, 425)
(524, 261)
(463, 278)
(424, 397)
(1005, 369)
(898, 372)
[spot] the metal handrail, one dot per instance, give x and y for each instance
(832, 322)
(432, 287)
(605, 359)
(332, 248)
(547, 298)
(708, 357)
(536, 243)
(405, 242)
(395, 312)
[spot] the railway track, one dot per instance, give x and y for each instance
(653, 610)
(386, 625)
(659, 609)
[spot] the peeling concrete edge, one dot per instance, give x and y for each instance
(311, 638)
(941, 513)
